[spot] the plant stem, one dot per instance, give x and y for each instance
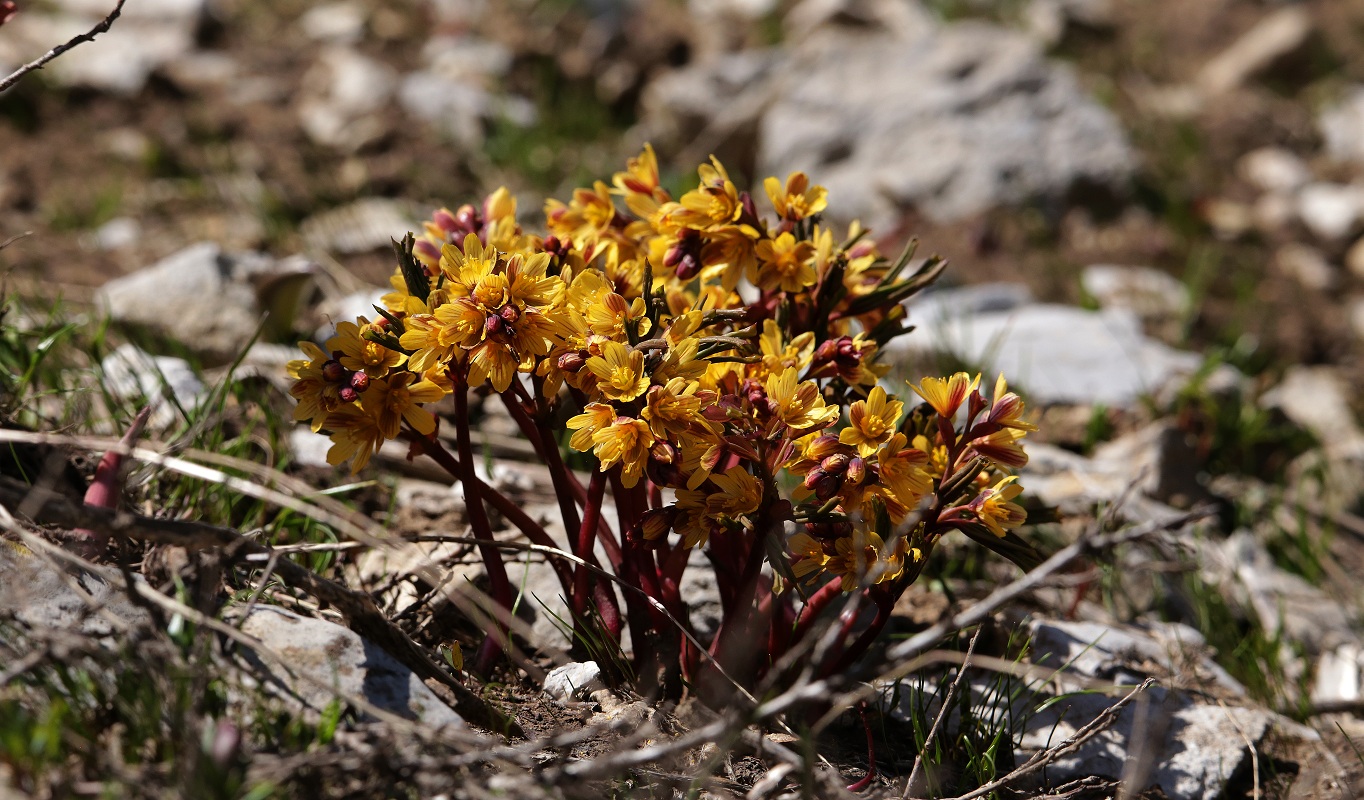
(500, 586)
(818, 601)
(595, 493)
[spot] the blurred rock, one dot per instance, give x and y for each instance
(309, 449)
(347, 309)
(1048, 20)
(203, 70)
(1154, 296)
(117, 233)
(1307, 266)
(1354, 259)
(1331, 211)
(1318, 399)
(44, 598)
(1274, 212)
(573, 681)
(344, 97)
(904, 20)
(460, 109)
(368, 224)
(1274, 169)
(1340, 125)
(1122, 653)
(862, 109)
(146, 37)
(1228, 218)
(167, 384)
(209, 300)
(324, 659)
(337, 23)
(1279, 35)
(1002, 124)
(1339, 675)
(1194, 748)
(941, 305)
(1059, 354)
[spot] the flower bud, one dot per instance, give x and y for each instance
(657, 522)
(359, 381)
(572, 362)
(467, 219)
(857, 470)
(495, 328)
(332, 371)
(348, 395)
(827, 486)
(836, 464)
(688, 267)
(663, 452)
(510, 314)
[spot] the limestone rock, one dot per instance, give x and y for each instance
(131, 373)
(324, 659)
(344, 98)
(573, 681)
(1340, 125)
(1154, 296)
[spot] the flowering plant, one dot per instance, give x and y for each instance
(721, 370)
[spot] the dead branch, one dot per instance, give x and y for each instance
(89, 36)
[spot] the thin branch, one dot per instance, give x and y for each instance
(942, 713)
(101, 27)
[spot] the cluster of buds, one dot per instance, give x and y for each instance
(700, 401)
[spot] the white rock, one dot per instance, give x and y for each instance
(1112, 652)
(1318, 399)
(118, 233)
(1273, 212)
(309, 449)
(467, 58)
(343, 99)
(1274, 169)
(131, 373)
(1339, 675)
(44, 598)
(370, 223)
(1331, 211)
(1307, 266)
(1340, 125)
(459, 107)
(347, 309)
(1279, 34)
(1285, 604)
(576, 680)
(323, 658)
(201, 296)
(1060, 354)
(338, 23)
(1149, 293)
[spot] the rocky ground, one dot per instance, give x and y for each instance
(1154, 213)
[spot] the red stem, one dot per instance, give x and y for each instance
(871, 752)
(859, 646)
(818, 601)
(595, 491)
(500, 586)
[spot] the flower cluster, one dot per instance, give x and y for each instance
(717, 360)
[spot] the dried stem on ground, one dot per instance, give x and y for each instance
(89, 36)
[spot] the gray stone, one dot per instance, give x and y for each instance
(1339, 675)
(1318, 399)
(1340, 125)
(167, 384)
(573, 681)
(1060, 354)
(368, 224)
(309, 449)
(1274, 169)
(936, 307)
(954, 123)
(1331, 211)
(460, 108)
(1279, 35)
(1152, 295)
(1194, 749)
(344, 97)
(1118, 653)
(117, 233)
(338, 23)
(1284, 603)
(323, 659)
(146, 37)
(42, 597)
(347, 309)
(1307, 266)
(203, 297)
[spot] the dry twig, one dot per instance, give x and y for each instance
(89, 36)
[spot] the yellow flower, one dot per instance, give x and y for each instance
(902, 470)
(872, 422)
(675, 408)
(626, 442)
(1003, 448)
(608, 315)
(715, 201)
(440, 338)
(1006, 408)
(739, 493)
(492, 361)
(799, 200)
(360, 354)
(393, 399)
(855, 556)
(799, 405)
(595, 417)
(778, 355)
(316, 396)
(947, 394)
(619, 371)
(355, 437)
(808, 556)
(995, 509)
(639, 184)
(783, 263)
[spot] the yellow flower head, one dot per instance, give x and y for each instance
(626, 442)
(808, 556)
(739, 493)
(783, 263)
(872, 421)
(799, 200)
(394, 399)
(903, 471)
(947, 394)
(360, 354)
(799, 405)
(619, 371)
(995, 509)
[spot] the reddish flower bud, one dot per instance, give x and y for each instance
(827, 486)
(332, 371)
(836, 464)
(510, 314)
(857, 470)
(359, 381)
(572, 362)
(348, 395)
